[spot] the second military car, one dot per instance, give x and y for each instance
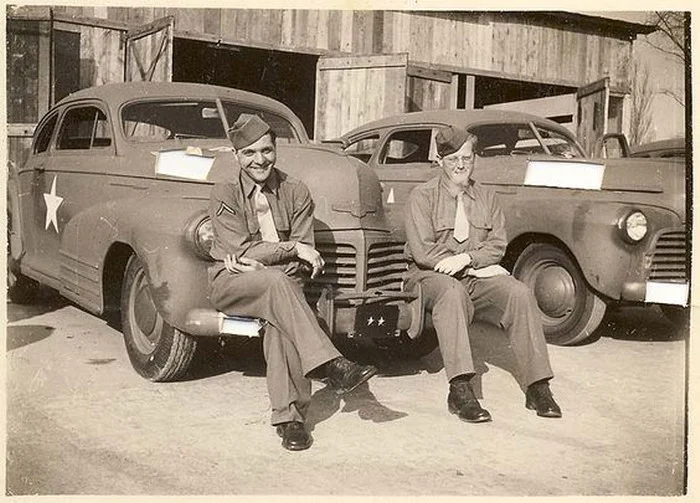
(111, 210)
(583, 233)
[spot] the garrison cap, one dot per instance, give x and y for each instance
(449, 139)
(247, 130)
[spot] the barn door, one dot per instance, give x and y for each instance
(352, 90)
(593, 101)
(429, 89)
(149, 52)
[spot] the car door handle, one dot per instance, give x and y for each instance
(40, 168)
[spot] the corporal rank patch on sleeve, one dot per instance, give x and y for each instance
(224, 207)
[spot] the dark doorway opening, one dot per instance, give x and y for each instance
(285, 76)
(491, 90)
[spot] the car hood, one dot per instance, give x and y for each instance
(657, 182)
(346, 192)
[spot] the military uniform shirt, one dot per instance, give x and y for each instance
(430, 224)
(236, 227)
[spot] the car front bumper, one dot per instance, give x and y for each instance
(656, 292)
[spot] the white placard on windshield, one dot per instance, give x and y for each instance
(190, 163)
(565, 175)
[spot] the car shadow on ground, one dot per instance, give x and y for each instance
(639, 323)
(45, 302)
(24, 335)
(216, 356)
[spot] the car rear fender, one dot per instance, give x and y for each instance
(155, 229)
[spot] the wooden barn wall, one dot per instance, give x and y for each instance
(353, 90)
(18, 150)
(488, 41)
(101, 57)
(518, 48)
(427, 94)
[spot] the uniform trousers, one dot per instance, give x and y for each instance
(500, 300)
(293, 342)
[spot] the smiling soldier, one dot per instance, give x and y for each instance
(455, 233)
(264, 249)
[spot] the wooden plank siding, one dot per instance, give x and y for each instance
(101, 57)
(510, 43)
(356, 89)
(18, 150)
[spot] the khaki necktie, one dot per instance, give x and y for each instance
(461, 231)
(262, 211)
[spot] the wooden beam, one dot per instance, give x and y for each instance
(21, 130)
(469, 91)
(364, 61)
(454, 91)
(93, 21)
(224, 41)
(429, 73)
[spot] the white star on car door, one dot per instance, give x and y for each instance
(52, 203)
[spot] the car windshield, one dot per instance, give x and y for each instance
(520, 139)
(159, 120)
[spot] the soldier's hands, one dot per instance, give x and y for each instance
(242, 264)
(452, 265)
(311, 256)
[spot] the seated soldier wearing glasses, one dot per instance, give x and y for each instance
(456, 237)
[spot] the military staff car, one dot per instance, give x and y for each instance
(583, 233)
(111, 210)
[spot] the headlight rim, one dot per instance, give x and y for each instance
(623, 226)
(193, 236)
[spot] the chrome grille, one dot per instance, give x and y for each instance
(386, 266)
(340, 270)
(669, 259)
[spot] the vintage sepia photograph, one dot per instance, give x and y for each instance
(343, 250)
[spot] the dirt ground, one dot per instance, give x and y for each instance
(81, 421)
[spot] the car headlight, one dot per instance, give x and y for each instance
(199, 234)
(634, 226)
(204, 237)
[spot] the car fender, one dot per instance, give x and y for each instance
(589, 231)
(155, 229)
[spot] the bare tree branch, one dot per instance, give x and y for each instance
(673, 95)
(642, 95)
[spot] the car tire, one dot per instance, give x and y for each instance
(22, 290)
(677, 315)
(570, 310)
(158, 351)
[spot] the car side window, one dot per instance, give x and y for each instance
(505, 139)
(405, 147)
(43, 137)
(363, 148)
(561, 146)
(83, 128)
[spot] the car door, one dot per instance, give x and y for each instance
(402, 159)
(30, 176)
(65, 182)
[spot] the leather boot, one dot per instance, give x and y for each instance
(461, 401)
(539, 397)
(295, 436)
(343, 375)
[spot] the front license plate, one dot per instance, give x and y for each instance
(376, 320)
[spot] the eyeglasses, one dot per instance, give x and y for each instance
(454, 161)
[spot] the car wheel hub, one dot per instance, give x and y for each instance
(146, 322)
(555, 291)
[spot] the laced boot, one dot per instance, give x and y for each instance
(461, 401)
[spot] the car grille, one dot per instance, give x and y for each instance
(386, 266)
(340, 270)
(669, 259)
